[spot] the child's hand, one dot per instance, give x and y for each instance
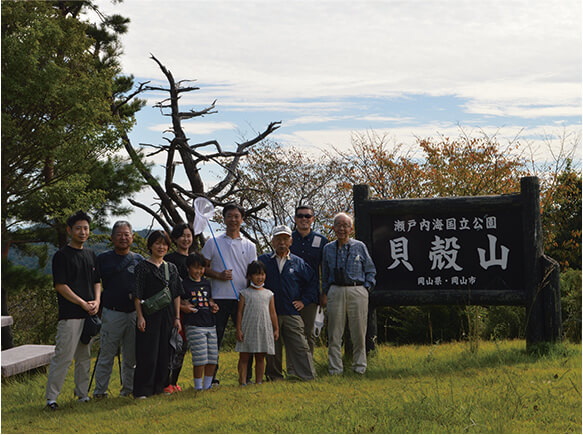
(188, 308)
(239, 335)
(276, 334)
(214, 307)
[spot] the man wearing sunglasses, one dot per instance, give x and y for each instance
(308, 245)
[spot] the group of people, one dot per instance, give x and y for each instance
(157, 308)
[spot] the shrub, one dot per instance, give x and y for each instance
(571, 304)
(503, 322)
(32, 303)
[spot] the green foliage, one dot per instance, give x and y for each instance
(561, 205)
(475, 322)
(504, 322)
(421, 324)
(61, 96)
(19, 278)
(140, 245)
(32, 303)
(571, 304)
(470, 166)
(115, 177)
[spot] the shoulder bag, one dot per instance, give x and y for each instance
(161, 299)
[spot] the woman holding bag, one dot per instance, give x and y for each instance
(157, 300)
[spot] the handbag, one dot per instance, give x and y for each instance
(318, 321)
(91, 328)
(161, 299)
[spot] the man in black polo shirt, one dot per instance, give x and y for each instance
(119, 313)
(76, 280)
(308, 245)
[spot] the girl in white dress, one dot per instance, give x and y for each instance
(257, 327)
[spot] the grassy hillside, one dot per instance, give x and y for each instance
(407, 389)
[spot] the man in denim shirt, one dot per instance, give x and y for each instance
(348, 276)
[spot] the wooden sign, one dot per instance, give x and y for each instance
(463, 250)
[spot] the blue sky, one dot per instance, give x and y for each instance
(330, 68)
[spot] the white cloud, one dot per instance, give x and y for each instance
(314, 119)
(281, 50)
(195, 127)
(542, 141)
(394, 119)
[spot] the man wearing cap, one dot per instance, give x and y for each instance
(294, 285)
(348, 276)
(308, 245)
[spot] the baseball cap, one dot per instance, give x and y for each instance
(281, 229)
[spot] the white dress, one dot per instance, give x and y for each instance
(256, 323)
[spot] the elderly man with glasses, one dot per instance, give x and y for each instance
(308, 245)
(348, 276)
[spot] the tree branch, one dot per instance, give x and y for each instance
(115, 107)
(235, 162)
(152, 213)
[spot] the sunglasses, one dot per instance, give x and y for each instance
(307, 216)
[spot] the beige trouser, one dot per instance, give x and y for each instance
(308, 314)
(297, 352)
(68, 347)
(343, 301)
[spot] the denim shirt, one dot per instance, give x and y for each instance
(354, 258)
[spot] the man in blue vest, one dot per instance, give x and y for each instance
(293, 283)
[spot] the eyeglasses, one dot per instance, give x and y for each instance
(307, 216)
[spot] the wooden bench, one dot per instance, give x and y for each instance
(7, 321)
(27, 357)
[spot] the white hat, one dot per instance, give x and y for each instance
(281, 229)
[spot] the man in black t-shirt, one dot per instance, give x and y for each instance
(76, 280)
(119, 313)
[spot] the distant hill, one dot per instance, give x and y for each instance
(16, 257)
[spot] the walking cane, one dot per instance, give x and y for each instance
(119, 365)
(93, 374)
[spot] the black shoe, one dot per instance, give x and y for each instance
(52, 406)
(216, 382)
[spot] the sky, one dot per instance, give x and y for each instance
(328, 69)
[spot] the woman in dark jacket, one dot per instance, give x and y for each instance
(154, 330)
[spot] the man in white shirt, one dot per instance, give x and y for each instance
(227, 282)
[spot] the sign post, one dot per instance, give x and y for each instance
(484, 250)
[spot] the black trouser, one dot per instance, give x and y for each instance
(153, 354)
(228, 308)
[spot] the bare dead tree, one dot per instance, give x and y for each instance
(174, 201)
